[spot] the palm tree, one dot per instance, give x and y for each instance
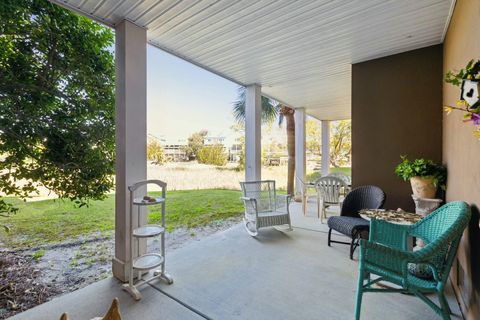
(270, 111)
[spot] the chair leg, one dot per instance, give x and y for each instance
(321, 210)
(358, 303)
(304, 204)
(318, 207)
(251, 231)
(446, 311)
(329, 236)
(353, 246)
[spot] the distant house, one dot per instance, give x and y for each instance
(175, 152)
(208, 141)
(234, 152)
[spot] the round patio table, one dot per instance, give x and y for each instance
(392, 216)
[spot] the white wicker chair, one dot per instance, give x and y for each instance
(263, 208)
(330, 191)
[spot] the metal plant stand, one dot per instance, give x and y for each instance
(144, 263)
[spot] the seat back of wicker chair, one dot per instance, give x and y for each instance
(262, 191)
(446, 224)
(363, 197)
(330, 189)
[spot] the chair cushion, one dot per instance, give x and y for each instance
(348, 226)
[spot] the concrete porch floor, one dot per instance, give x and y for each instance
(230, 275)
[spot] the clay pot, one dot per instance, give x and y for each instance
(423, 187)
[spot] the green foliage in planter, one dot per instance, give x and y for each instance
(422, 168)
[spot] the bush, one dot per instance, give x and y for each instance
(155, 152)
(213, 154)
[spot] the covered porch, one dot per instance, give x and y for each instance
(319, 58)
(229, 275)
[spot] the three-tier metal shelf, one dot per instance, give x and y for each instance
(142, 265)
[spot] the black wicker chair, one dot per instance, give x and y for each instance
(349, 222)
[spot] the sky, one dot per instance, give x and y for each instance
(183, 98)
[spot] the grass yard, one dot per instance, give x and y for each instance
(315, 175)
(51, 221)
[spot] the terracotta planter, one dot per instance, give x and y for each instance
(423, 187)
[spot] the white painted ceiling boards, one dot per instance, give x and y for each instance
(300, 51)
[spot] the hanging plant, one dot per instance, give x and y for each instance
(469, 81)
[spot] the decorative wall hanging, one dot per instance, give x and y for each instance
(469, 81)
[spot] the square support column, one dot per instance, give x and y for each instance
(130, 133)
(325, 147)
(253, 135)
(300, 148)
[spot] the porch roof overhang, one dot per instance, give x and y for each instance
(300, 52)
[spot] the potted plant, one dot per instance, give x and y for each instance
(425, 176)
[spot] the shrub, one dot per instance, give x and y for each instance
(214, 154)
(155, 152)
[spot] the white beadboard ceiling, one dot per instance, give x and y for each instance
(300, 51)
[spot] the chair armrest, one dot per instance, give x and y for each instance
(392, 259)
(283, 201)
(389, 234)
(383, 256)
(250, 205)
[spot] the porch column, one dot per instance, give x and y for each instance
(130, 132)
(325, 147)
(300, 148)
(253, 152)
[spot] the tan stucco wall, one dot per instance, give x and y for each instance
(461, 151)
(396, 110)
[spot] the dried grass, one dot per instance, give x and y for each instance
(192, 175)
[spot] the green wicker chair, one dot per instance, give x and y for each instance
(385, 255)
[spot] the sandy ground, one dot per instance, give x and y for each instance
(69, 266)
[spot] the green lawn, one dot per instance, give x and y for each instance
(51, 221)
(315, 175)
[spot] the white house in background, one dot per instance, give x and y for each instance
(211, 140)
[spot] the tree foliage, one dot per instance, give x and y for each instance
(195, 143)
(155, 152)
(270, 109)
(213, 154)
(340, 143)
(313, 132)
(56, 102)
